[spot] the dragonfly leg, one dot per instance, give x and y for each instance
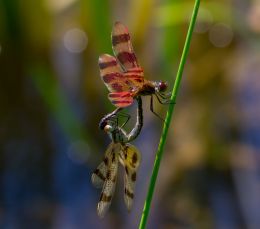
(164, 96)
(164, 100)
(152, 110)
(167, 95)
(127, 116)
(115, 116)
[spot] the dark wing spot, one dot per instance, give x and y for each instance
(113, 157)
(133, 177)
(127, 57)
(108, 176)
(105, 198)
(138, 80)
(117, 86)
(110, 77)
(117, 39)
(134, 158)
(126, 170)
(103, 65)
(99, 174)
(106, 161)
(129, 194)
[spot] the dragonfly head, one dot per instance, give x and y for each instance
(107, 124)
(102, 123)
(161, 86)
(108, 128)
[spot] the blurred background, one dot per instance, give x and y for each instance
(52, 98)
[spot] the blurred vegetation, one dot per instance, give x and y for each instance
(52, 98)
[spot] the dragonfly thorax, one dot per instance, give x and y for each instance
(147, 89)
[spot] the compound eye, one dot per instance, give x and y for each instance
(102, 124)
(163, 86)
(108, 128)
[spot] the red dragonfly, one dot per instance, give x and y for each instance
(123, 76)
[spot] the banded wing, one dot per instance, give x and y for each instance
(111, 74)
(116, 82)
(110, 182)
(130, 158)
(135, 76)
(99, 175)
(123, 50)
(121, 99)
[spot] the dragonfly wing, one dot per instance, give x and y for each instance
(99, 175)
(130, 158)
(122, 46)
(111, 74)
(121, 99)
(135, 77)
(123, 50)
(110, 182)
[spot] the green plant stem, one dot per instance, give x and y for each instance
(175, 90)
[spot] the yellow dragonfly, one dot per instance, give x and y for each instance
(119, 151)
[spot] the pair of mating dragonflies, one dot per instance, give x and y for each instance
(125, 81)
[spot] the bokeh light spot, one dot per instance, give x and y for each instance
(221, 35)
(75, 40)
(59, 5)
(78, 152)
(253, 17)
(204, 21)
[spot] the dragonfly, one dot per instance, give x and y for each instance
(119, 132)
(124, 77)
(119, 151)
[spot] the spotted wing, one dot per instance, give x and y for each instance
(130, 158)
(111, 74)
(99, 175)
(110, 182)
